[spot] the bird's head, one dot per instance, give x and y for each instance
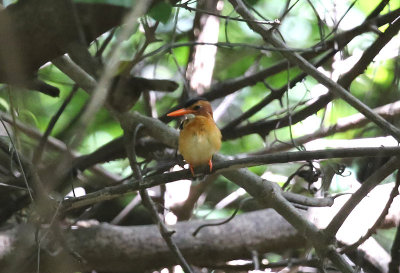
(196, 106)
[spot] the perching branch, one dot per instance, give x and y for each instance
(222, 166)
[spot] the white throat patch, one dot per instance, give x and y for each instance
(190, 116)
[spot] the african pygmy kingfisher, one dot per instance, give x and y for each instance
(199, 138)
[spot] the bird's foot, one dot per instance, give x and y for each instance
(192, 169)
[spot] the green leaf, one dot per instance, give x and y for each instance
(161, 12)
(122, 3)
(4, 105)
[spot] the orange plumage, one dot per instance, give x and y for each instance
(200, 137)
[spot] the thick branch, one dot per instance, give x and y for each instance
(128, 248)
(140, 248)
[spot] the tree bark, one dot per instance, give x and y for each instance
(105, 247)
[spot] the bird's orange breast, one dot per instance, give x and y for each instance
(199, 139)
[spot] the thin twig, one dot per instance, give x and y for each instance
(334, 87)
(276, 94)
(104, 45)
(319, 21)
(148, 203)
(388, 111)
(19, 161)
(100, 92)
(43, 140)
(13, 187)
(13, 112)
(340, 20)
(305, 156)
(57, 145)
(166, 48)
(149, 38)
(378, 222)
(128, 208)
(356, 198)
(227, 220)
(275, 22)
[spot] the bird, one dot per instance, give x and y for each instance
(199, 137)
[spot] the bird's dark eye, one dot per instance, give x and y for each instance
(196, 107)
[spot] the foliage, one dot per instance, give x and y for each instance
(305, 26)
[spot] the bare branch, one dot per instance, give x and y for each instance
(42, 143)
(336, 88)
(130, 136)
(185, 6)
(378, 222)
(275, 94)
(224, 165)
(344, 124)
(366, 187)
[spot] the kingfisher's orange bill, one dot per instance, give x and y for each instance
(180, 112)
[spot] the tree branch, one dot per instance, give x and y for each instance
(366, 187)
(141, 248)
(275, 94)
(224, 165)
(378, 222)
(130, 136)
(388, 111)
(340, 40)
(335, 88)
(262, 190)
